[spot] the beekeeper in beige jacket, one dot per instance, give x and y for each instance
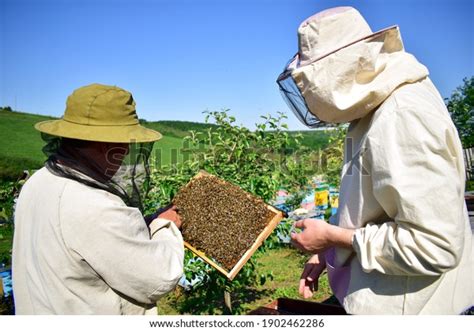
(81, 244)
(401, 242)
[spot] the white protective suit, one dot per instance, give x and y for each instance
(80, 250)
(403, 181)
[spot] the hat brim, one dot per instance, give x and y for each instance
(105, 133)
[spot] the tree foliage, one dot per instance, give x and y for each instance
(461, 108)
(333, 156)
(261, 162)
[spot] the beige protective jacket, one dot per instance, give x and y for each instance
(403, 181)
(80, 250)
(403, 190)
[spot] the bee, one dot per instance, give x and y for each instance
(220, 218)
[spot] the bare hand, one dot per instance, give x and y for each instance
(171, 214)
(314, 238)
(310, 276)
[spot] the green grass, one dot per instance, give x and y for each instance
(286, 264)
(177, 129)
(11, 168)
(167, 149)
(20, 139)
(22, 144)
(313, 139)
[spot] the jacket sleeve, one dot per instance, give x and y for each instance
(413, 162)
(113, 239)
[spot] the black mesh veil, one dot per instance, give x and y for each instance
(128, 178)
(293, 97)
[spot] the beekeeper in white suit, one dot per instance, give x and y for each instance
(401, 242)
(81, 243)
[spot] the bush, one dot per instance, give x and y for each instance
(13, 168)
(334, 156)
(461, 108)
(8, 194)
(259, 161)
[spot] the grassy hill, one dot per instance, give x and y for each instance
(22, 144)
(177, 129)
(21, 147)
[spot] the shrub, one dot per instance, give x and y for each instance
(461, 108)
(259, 161)
(9, 191)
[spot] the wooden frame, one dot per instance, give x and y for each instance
(258, 241)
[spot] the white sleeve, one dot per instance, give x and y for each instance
(416, 179)
(116, 243)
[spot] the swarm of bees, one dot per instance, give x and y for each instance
(220, 218)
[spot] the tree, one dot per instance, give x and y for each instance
(461, 108)
(260, 161)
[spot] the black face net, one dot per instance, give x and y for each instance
(123, 171)
(293, 97)
(296, 102)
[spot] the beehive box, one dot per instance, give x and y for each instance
(223, 224)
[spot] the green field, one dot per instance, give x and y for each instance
(178, 129)
(20, 139)
(167, 147)
(22, 144)
(21, 147)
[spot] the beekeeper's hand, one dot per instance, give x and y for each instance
(318, 235)
(310, 277)
(171, 214)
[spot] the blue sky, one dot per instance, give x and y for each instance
(181, 57)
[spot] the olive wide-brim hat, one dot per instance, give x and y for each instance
(102, 113)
